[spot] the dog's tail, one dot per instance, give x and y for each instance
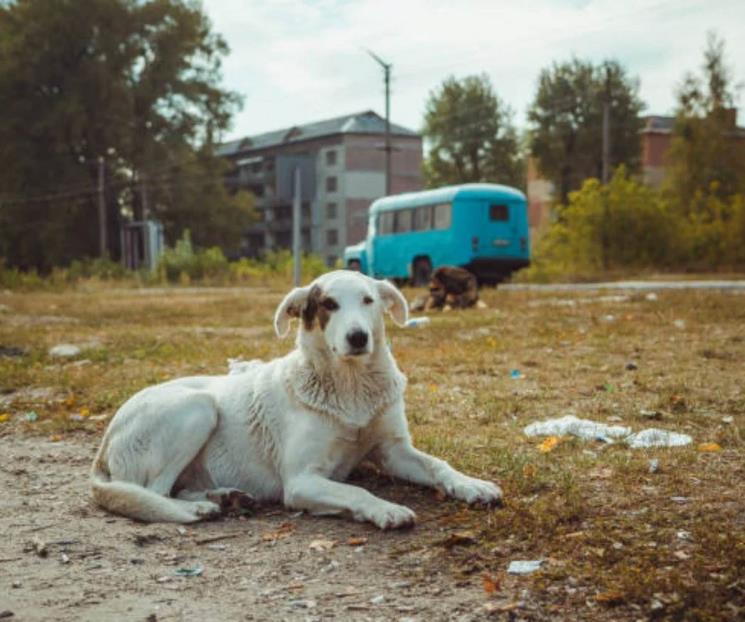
(135, 501)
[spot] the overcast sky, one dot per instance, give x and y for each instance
(297, 61)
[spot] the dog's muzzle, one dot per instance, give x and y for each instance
(357, 340)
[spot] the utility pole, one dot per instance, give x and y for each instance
(388, 149)
(296, 214)
(101, 209)
(606, 129)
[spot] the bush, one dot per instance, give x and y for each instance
(627, 226)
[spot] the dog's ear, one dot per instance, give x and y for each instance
(394, 302)
(292, 306)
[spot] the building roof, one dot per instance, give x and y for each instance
(367, 122)
(658, 123)
(494, 192)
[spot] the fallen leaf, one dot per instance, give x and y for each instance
(549, 444)
(285, 530)
(709, 447)
(459, 538)
(356, 541)
(529, 470)
(85, 412)
(70, 400)
(4, 417)
(491, 583)
(55, 438)
(611, 597)
(321, 545)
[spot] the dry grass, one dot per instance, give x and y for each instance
(620, 542)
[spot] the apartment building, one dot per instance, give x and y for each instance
(342, 170)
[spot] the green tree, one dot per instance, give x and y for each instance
(707, 154)
(566, 119)
(471, 135)
(134, 82)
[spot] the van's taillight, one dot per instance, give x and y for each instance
(475, 243)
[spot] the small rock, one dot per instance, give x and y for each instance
(728, 419)
(679, 324)
(377, 600)
(305, 603)
(7, 613)
(16, 584)
(65, 558)
(651, 297)
(631, 366)
(65, 350)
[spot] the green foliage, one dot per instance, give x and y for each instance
(136, 82)
(471, 134)
(566, 117)
(704, 156)
(627, 226)
(184, 264)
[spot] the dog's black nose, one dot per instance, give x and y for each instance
(357, 339)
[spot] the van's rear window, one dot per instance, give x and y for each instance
(499, 212)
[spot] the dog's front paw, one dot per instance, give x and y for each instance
(389, 516)
(472, 490)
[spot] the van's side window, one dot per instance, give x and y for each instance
(385, 223)
(403, 220)
(423, 218)
(499, 213)
(442, 217)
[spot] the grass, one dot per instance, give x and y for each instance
(619, 542)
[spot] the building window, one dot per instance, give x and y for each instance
(332, 237)
(331, 184)
(499, 213)
(331, 157)
(442, 216)
(330, 211)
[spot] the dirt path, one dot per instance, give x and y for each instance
(273, 566)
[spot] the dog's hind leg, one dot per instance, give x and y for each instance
(150, 451)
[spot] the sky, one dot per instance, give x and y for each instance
(298, 61)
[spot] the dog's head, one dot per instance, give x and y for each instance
(344, 310)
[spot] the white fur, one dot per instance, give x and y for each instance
(290, 429)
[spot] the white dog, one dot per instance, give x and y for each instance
(291, 429)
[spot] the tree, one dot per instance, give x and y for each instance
(707, 151)
(567, 118)
(471, 135)
(134, 82)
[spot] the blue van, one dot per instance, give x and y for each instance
(480, 227)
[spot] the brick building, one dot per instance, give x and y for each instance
(656, 136)
(342, 164)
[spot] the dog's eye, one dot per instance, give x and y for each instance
(330, 304)
(367, 300)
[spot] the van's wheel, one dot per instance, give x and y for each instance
(422, 271)
(354, 265)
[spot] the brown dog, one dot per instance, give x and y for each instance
(450, 288)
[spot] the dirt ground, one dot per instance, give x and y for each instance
(276, 565)
(619, 540)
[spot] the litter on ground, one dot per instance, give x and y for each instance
(417, 322)
(524, 566)
(592, 430)
(239, 366)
